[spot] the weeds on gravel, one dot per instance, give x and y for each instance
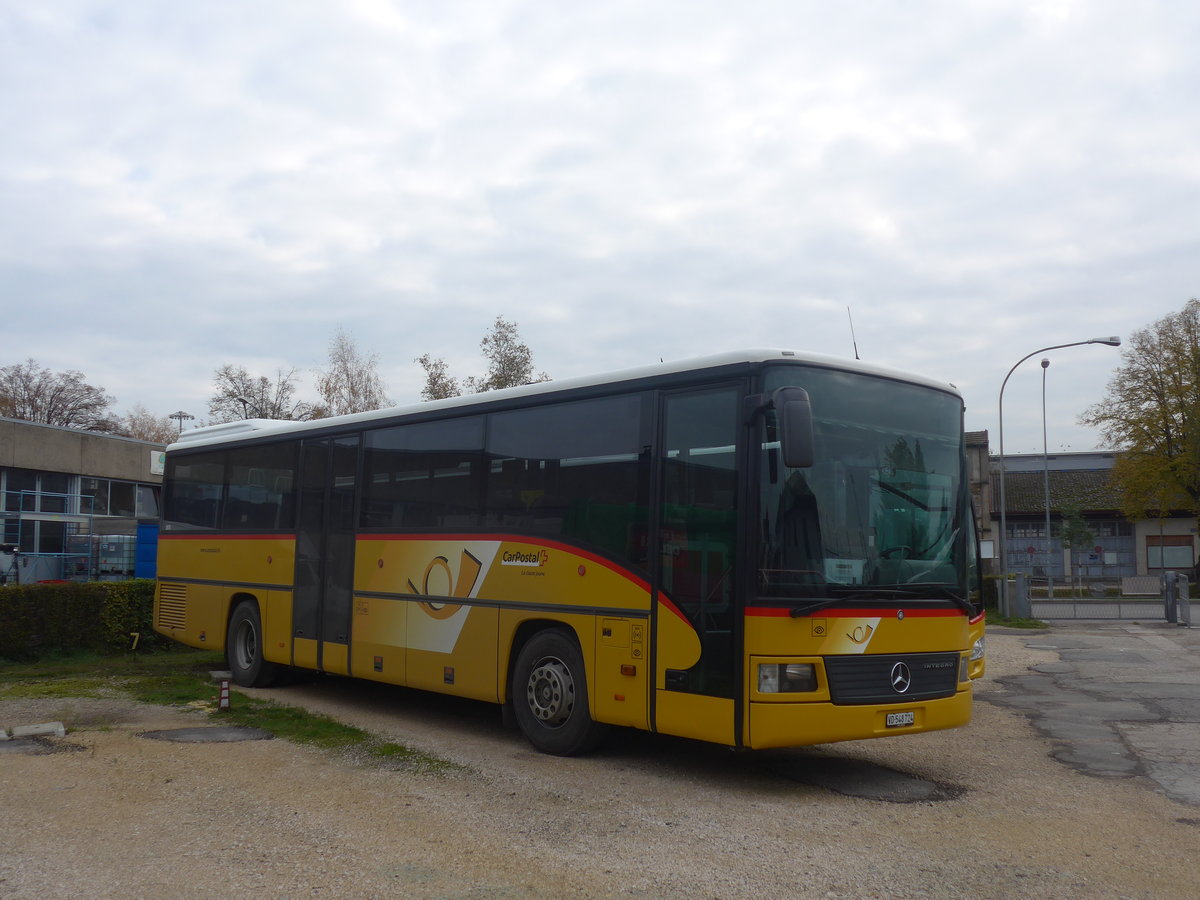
(90, 674)
(182, 678)
(48, 690)
(994, 618)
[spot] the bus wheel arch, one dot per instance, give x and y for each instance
(548, 692)
(244, 645)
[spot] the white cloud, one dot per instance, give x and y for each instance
(182, 187)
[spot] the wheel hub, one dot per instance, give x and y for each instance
(246, 645)
(551, 692)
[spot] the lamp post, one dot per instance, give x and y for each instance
(180, 417)
(1113, 341)
(1046, 487)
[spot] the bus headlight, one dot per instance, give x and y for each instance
(786, 678)
(977, 650)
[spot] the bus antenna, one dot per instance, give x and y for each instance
(853, 340)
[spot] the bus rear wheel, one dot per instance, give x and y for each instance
(550, 698)
(244, 648)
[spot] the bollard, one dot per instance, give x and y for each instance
(1021, 607)
(1170, 582)
(222, 679)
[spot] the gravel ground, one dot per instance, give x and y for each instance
(111, 814)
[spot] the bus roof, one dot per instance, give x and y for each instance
(249, 429)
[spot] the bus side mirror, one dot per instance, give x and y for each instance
(793, 416)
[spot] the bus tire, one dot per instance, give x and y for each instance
(550, 697)
(244, 648)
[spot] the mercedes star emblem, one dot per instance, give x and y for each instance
(901, 678)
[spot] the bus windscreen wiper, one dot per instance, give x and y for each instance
(932, 591)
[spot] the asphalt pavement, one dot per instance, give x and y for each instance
(1121, 701)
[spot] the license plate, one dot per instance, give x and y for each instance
(900, 719)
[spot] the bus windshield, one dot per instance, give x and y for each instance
(882, 512)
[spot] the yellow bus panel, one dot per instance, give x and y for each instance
(379, 639)
(694, 716)
(621, 673)
(305, 653)
(790, 724)
(855, 631)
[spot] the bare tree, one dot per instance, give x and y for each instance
(35, 394)
(438, 383)
(240, 395)
(143, 425)
(510, 361)
(351, 383)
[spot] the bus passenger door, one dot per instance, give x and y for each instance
(321, 602)
(696, 662)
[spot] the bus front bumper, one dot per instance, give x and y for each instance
(799, 724)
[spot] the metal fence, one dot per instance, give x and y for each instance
(1130, 608)
(1135, 598)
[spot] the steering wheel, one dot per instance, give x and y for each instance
(904, 550)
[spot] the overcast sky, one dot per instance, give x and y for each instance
(188, 185)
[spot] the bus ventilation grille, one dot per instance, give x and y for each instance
(172, 606)
(869, 679)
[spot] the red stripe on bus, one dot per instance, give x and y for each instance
(223, 536)
(666, 601)
(843, 613)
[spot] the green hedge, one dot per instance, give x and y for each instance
(101, 616)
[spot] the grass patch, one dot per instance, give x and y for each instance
(181, 678)
(293, 723)
(64, 688)
(994, 618)
(99, 675)
(321, 731)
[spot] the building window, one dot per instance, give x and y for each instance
(105, 497)
(147, 501)
(27, 490)
(1169, 551)
(120, 499)
(55, 488)
(20, 489)
(1026, 529)
(51, 537)
(93, 496)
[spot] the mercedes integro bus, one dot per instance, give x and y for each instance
(760, 549)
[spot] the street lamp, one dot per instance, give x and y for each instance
(181, 417)
(1046, 487)
(1113, 341)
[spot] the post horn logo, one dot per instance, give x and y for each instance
(468, 573)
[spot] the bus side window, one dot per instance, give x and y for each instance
(574, 470)
(424, 476)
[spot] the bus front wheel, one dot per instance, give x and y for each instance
(550, 698)
(244, 648)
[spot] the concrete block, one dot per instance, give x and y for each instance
(3, 735)
(46, 729)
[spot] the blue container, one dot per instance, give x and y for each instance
(146, 559)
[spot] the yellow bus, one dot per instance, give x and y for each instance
(759, 549)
